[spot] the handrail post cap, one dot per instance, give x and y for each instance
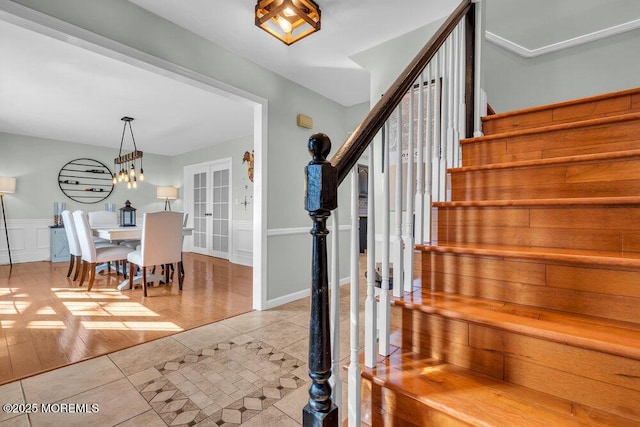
(319, 146)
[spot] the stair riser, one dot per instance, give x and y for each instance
(582, 289)
(620, 103)
(584, 227)
(590, 179)
(384, 407)
(606, 382)
(545, 145)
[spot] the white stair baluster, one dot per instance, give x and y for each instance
(419, 231)
(335, 381)
(397, 236)
(384, 313)
(408, 218)
(370, 309)
(428, 150)
(353, 383)
(442, 156)
(436, 127)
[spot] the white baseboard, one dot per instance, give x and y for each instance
(299, 295)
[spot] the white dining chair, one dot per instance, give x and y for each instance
(102, 219)
(92, 255)
(161, 244)
(75, 253)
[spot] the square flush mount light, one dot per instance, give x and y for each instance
(288, 20)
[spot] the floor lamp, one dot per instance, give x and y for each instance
(7, 185)
(167, 193)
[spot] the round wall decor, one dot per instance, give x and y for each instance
(85, 180)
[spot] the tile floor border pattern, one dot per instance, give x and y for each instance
(225, 384)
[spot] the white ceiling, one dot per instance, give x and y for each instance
(53, 89)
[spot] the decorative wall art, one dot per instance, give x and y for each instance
(85, 180)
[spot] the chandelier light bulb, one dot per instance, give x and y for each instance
(141, 174)
(284, 24)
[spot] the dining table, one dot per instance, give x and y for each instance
(118, 234)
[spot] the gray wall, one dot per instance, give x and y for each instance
(233, 149)
(513, 82)
(36, 162)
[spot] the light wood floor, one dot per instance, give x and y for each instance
(47, 321)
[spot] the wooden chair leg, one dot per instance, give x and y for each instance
(124, 268)
(79, 264)
(166, 273)
(180, 276)
(72, 258)
(84, 272)
(92, 275)
(144, 280)
(131, 274)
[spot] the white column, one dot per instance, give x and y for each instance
(370, 309)
(353, 373)
(384, 314)
(397, 236)
(336, 382)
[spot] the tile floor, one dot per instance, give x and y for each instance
(248, 370)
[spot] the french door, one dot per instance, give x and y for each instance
(211, 209)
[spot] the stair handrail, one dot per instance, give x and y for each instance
(348, 154)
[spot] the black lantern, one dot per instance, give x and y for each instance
(127, 215)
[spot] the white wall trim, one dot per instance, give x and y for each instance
(61, 30)
(300, 230)
(565, 44)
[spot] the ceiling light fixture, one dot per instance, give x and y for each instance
(288, 20)
(127, 162)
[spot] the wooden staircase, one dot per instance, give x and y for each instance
(528, 311)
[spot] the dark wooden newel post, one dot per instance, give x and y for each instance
(321, 197)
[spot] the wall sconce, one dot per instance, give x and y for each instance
(288, 20)
(167, 193)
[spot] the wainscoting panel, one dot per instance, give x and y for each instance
(242, 243)
(29, 239)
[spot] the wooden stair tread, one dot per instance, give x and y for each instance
(578, 124)
(478, 399)
(604, 335)
(577, 201)
(498, 116)
(583, 158)
(580, 256)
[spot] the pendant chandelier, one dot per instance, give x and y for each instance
(125, 165)
(288, 20)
